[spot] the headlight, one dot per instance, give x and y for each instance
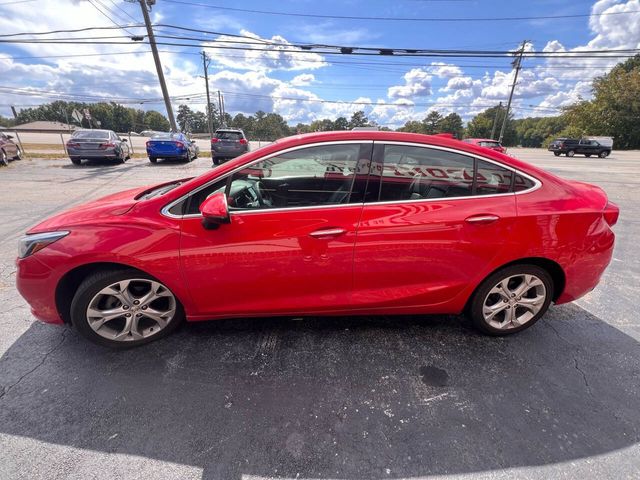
(30, 244)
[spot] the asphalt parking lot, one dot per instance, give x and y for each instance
(318, 398)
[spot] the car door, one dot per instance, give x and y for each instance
(289, 246)
(9, 145)
(429, 226)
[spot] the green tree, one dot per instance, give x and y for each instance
(431, 122)
(615, 108)
(358, 119)
(341, 123)
(185, 118)
(156, 121)
(481, 125)
(452, 123)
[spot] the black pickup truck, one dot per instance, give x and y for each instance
(570, 147)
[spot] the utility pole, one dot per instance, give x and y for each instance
(156, 59)
(517, 63)
(205, 65)
(224, 112)
(220, 109)
(495, 122)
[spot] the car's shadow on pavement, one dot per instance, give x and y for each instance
(354, 398)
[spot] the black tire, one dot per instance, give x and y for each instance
(475, 306)
(18, 154)
(153, 159)
(557, 154)
(603, 154)
(90, 287)
(76, 161)
(4, 160)
(587, 155)
(188, 159)
(571, 153)
(216, 161)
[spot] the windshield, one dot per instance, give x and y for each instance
(91, 134)
(157, 191)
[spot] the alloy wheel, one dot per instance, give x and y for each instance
(3, 158)
(132, 309)
(514, 301)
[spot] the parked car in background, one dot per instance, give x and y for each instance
(487, 143)
(97, 145)
(171, 146)
(9, 150)
(584, 146)
(228, 143)
(330, 223)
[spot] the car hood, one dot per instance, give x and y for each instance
(96, 211)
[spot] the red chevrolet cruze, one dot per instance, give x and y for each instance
(333, 223)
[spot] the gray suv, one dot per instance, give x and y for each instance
(228, 143)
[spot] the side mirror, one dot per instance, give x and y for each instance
(215, 211)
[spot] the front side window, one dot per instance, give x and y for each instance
(313, 176)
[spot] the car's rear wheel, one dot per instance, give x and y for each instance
(18, 154)
(570, 153)
(587, 155)
(604, 154)
(124, 308)
(511, 299)
(153, 159)
(557, 154)
(4, 160)
(76, 160)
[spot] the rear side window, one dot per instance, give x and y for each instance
(416, 173)
(222, 135)
(402, 173)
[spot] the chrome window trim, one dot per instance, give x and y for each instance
(537, 183)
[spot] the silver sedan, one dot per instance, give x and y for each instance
(97, 144)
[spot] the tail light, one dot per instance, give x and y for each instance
(242, 141)
(73, 145)
(148, 144)
(107, 145)
(214, 140)
(611, 213)
(179, 144)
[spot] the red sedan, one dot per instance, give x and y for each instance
(487, 143)
(332, 223)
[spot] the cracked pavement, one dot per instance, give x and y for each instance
(319, 398)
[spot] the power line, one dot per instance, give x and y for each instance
(108, 17)
(618, 53)
(401, 19)
(123, 10)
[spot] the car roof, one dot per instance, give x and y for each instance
(229, 130)
(482, 140)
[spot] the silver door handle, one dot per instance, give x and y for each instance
(482, 219)
(329, 232)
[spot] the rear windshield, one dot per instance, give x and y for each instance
(222, 135)
(97, 134)
(166, 136)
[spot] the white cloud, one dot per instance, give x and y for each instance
(303, 79)
(417, 84)
(266, 54)
(444, 70)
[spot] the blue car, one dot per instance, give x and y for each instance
(171, 146)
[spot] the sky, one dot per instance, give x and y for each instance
(303, 86)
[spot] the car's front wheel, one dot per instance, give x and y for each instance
(557, 154)
(18, 154)
(604, 154)
(4, 160)
(124, 308)
(511, 299)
